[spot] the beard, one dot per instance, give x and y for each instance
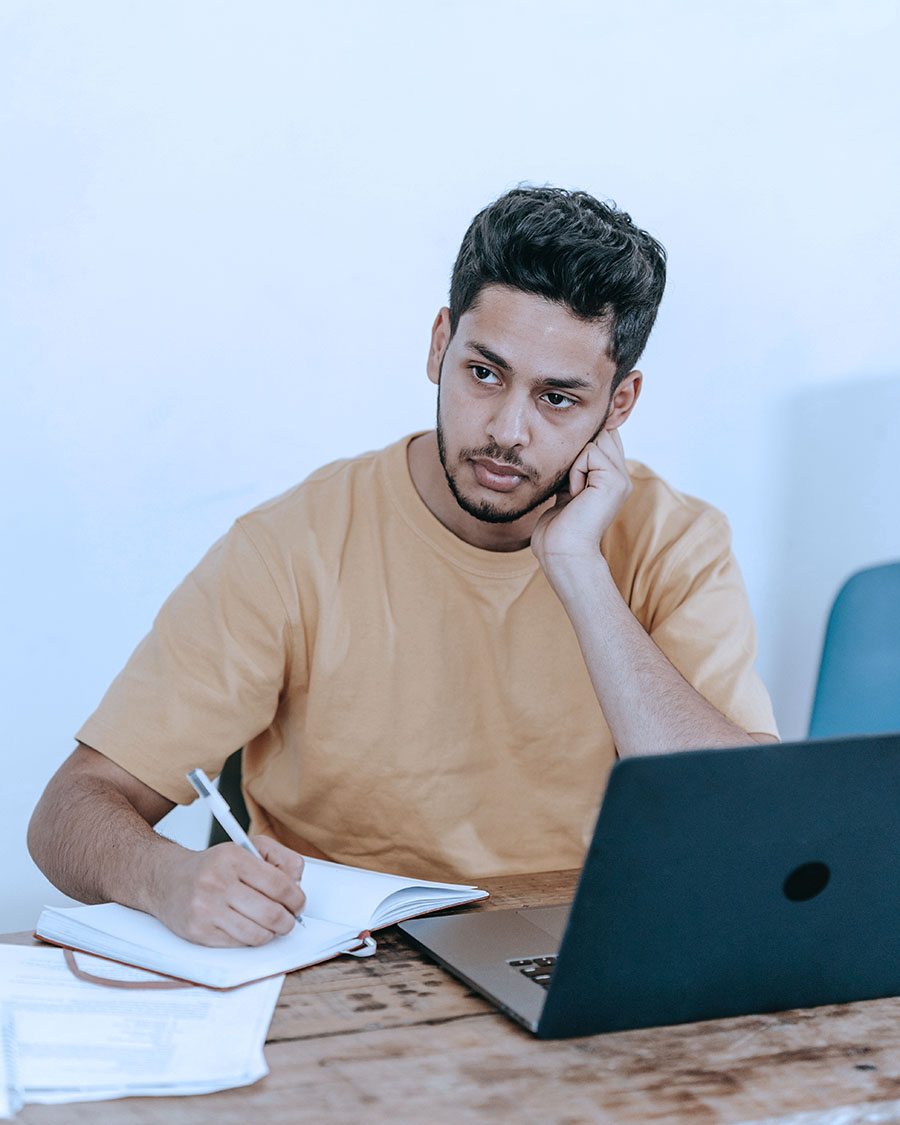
(485, 510)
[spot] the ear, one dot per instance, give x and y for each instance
(440, 338)
(623, 399)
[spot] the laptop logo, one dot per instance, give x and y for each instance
(806, 881)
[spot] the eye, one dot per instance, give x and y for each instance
(483, 374)
(558, 401)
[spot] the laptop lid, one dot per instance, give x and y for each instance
(724, 882)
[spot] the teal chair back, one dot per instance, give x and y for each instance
(230, 788)
(858, 691)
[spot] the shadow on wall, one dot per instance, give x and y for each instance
(837, 511)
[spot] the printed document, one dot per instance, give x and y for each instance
(10, 1087)
(83, 1042)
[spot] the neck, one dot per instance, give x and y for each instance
(430, 482)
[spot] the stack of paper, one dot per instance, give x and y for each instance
(69, 1040)
(10, 1086)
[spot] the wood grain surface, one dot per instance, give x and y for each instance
(395, 1039)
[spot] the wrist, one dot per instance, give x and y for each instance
(575, 577)
(153, 890)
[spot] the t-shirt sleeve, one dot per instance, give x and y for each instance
(206, 679)
(701, 620)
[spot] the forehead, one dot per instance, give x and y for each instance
(535, 336)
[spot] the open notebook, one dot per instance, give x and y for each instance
(342, 905)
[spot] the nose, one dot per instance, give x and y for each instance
(509, 425)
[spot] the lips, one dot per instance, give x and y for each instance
(499, 476)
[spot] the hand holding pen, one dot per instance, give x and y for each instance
(227, 896)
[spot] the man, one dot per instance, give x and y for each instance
(432, 654)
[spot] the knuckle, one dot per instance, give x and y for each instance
(194, 931)
(284, 923)
(220, 858)
(226, 941)
(195, 904)
(284, 888)
(272, 916)
(208, 883)
(206, 877)
(259, 936)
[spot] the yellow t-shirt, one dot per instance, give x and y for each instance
(407, 701)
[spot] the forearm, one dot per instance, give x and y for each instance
(649, 706)
(92, 836)
(92, 843)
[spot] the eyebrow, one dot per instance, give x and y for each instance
(568, 383)
(491, 357)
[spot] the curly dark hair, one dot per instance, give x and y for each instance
(569, 247)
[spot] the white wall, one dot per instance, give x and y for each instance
(227, 227)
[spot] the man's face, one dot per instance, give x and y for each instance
(523, 386)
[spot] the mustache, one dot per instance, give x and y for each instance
(494, 452)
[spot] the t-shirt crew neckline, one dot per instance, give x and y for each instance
(418, 517)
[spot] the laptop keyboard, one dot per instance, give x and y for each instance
(538, 969)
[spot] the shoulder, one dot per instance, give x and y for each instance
(329, 498)
(303, 534)
(662, 536)
(326, 484)
(656, 515)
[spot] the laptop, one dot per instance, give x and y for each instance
(718, 883)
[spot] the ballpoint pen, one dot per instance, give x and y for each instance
(218, 806)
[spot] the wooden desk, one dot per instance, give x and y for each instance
(394, 1039)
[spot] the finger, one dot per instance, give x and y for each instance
(608, 469)
(259, 909)
(599, 462)
(286, 860)
(270, 881)
(614, 445)
(609, 447)
(231, 921)
(234, 929)
(236, 933)
(579, 472)
(563, 497)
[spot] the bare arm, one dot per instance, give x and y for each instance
(648, 704)
(92, 836)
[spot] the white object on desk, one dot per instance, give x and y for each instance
(84, 1042)
(10, 1086)
(342, 905)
